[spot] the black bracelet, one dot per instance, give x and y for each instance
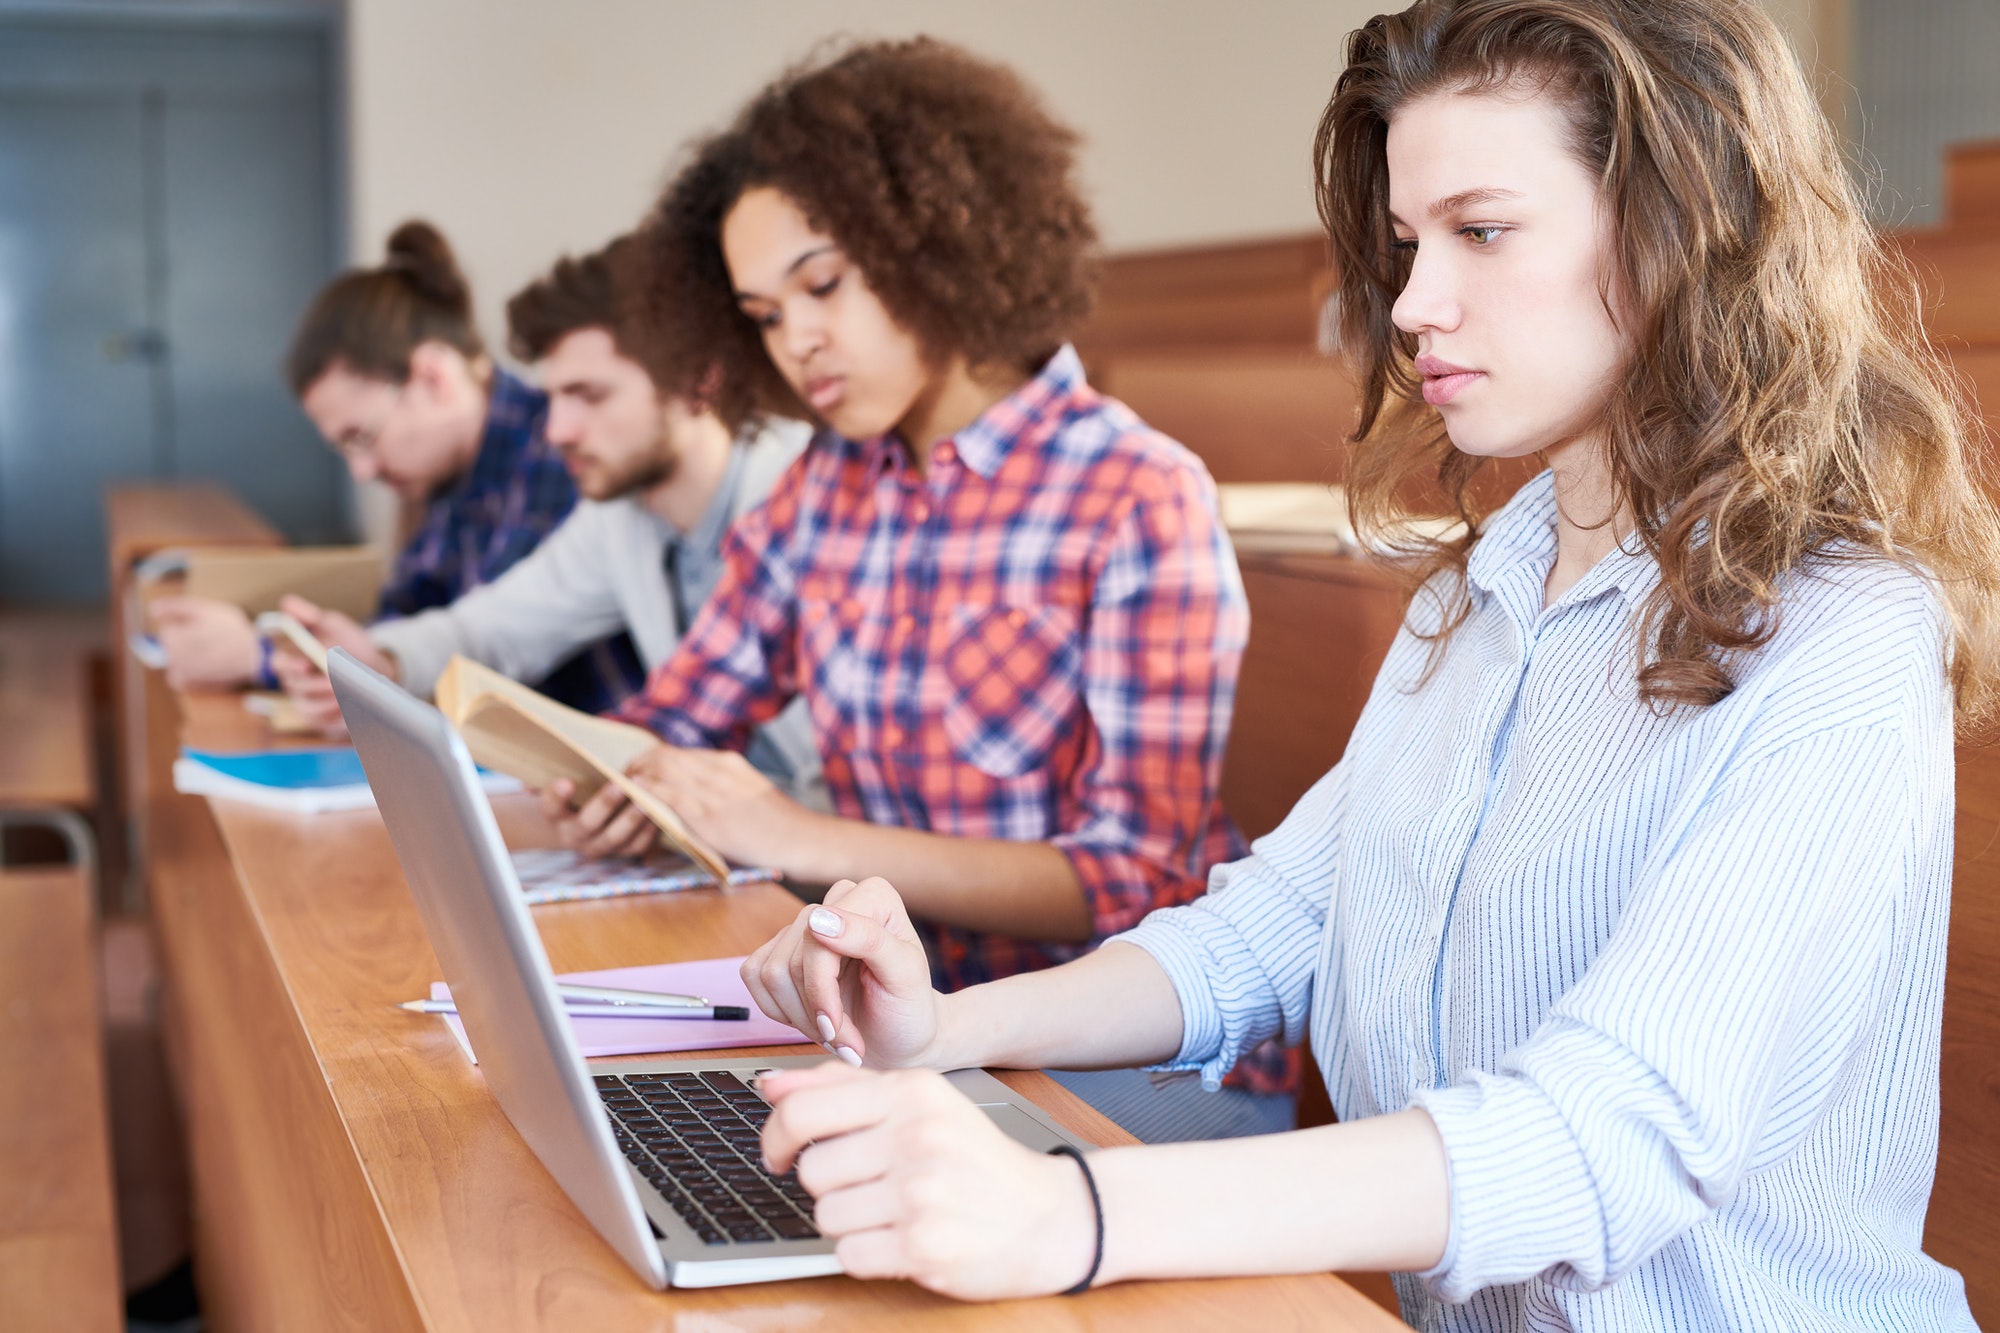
(1096, 1206)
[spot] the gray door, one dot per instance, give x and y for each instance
(165, 214)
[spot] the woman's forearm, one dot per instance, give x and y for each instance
(1370, 1196)
(1024, 889)
(1107, 1010)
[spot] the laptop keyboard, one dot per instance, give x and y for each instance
(695, 1138)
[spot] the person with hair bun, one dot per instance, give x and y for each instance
(1619, 928)
(389, 366)
(1009, 605)
(662, 480)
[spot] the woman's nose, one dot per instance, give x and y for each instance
(804, 333)
(1426, 302)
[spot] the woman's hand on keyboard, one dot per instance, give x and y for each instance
(911, 1180)
(852, 974)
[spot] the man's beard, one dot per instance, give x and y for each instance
(643, 475)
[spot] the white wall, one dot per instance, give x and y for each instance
(526, 128)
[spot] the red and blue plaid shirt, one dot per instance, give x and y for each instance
(515, 493)
(1038, 640)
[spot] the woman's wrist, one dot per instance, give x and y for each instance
(948, 1048)
(810, 845)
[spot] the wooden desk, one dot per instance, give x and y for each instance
(58, 1240)
(352, 1171)
(142, 520)
(45, 719)
(45, 708)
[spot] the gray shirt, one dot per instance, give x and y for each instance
(605, 569)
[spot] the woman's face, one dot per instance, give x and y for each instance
(1507, 281)
(828, 334)
(411, 436)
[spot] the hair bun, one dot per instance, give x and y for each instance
(420, 252)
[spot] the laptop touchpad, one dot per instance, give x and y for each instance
(1020, 1126)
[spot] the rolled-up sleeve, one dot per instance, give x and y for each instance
(1703, 1040)
(1241, 958)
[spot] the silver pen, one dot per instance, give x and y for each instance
(727, 1013)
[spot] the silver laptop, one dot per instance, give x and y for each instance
(661, 1155)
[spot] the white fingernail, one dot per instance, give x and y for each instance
(847, 1053)
(824, 922)
(825, 1028)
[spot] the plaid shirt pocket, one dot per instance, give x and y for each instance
(1011, 684)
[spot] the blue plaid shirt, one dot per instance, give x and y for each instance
(515, 494)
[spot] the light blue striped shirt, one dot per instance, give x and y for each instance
(1670, 986)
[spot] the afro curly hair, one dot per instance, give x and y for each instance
(939, 175)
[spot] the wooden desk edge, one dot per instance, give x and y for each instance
(1323, 1292)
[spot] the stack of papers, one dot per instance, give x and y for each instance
(1305, 516)
(1286, 516)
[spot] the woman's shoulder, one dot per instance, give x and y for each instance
(1861, 640)
(1101, 433)
(1869, 602)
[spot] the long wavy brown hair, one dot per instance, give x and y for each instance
(1780, 402)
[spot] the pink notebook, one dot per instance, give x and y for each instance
(716, 979)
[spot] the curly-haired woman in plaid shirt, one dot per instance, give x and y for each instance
(1009, 604)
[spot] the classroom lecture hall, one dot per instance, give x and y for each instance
(749, 375)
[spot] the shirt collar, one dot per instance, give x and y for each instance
(1520, 540)
(714, 520)
(1024, 416)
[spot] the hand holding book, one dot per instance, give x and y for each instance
(300, 633)
(568, 755)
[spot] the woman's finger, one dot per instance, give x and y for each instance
(781, 978)
(873, 1254)
(862, 1207)
(838, 1165)
(803, 1111)
(611, 837)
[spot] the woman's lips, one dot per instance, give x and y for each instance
(1442, 380)
(1441, 389)
(823, 395)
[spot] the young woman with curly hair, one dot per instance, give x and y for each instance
(1620, 926)
(1009, 605)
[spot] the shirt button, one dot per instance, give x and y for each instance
(944, 453)
(921, 512)
(893, 735)
(906, 622)
(1017, 618)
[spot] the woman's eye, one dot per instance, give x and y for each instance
(1404, 243)
(825, 289)
(1480, 236)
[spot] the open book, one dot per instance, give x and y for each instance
(513, 730)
